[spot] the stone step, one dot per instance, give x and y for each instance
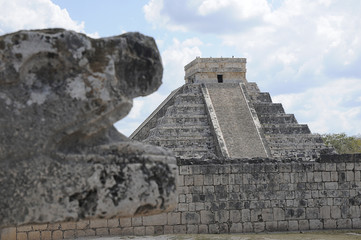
(190, 152)
(182, 138)
(305, 155)
(191, 88)
(191, 98)
(194, 109)
(296, 146)
(285, 129)
(183, 119)
(252, 87)
(190, 131)
(235, 121)
(268, 108)
(260, 97)
(205, 143)
(297, 139)
(277, 119)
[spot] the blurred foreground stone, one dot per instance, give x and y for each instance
(60, 156)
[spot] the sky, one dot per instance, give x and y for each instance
(305, 53)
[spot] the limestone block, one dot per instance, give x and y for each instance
(207, 217)
(304, 225)
(127, 231)
(45, 235)
(179, 229)
(160, 219)
(317, 176)
(150, 230)
(325, 212)
(188, 180)
(246, 215)
(350, 176)
(293, 225)
(334, 177)
(203, 229)
(267, 214)
(350, 166)
(174, 218)
(40, 227)
(60, 156)
(271, 226)
(59, 234)
(125, 222)
(192, 229)
(137, 221)
(355, 211)
(72, 225)
(208, 179)
(70, 234)
(199, 206)
(316, 224)
(112, 223)
(331, 185)
(222, 216)
(28, 228)
(182, 207)
(167, 230)
(198, 180)
(235, 216)
(326, 176)
(191, 218)
(330, 167)
(8, 233)
(278, 214)
(356, 223)
(329, 224)
(259, 227)
(213, 228)
(82, 224)
(312, 213)
(282, 225)
(34, 235)
(115, 231)
(89, 232)
(139, 231)
(21, 236)
(247, 227)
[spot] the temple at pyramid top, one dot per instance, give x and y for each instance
(216, 70)
(218, 113)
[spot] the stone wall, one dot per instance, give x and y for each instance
(238, 196)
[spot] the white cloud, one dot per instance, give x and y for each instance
(153, 14)
(136, 109)
(333, 107)
(310, 41)
(303, 51)
(175, 57)
(245, 9)
(23, 14)
(207, 15)
(142, 108)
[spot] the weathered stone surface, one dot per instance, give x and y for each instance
(60, 156)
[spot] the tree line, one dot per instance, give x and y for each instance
(343, 143)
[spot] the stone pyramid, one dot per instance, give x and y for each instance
(217, 112)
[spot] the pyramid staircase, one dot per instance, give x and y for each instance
(219, 112)
(285, 137)
(184, 127)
